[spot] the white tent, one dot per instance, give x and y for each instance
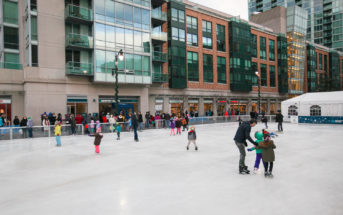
(314, 104)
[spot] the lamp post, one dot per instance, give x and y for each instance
(259, 92)
(119, 55)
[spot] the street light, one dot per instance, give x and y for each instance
(119, 55)
(259, 91)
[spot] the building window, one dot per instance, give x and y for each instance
(254, 45)
(178, 15)
(315, 110)
(192, 22)
(34, 55)
(207, 42)
(272, 50)
(320, 62)
(193, 66)
(12, 61)
(192, 39)
(292, 110)
(263, 75)
(178, 34)
(220, 38)
(263, 48)
(10, 12)
(11, 38)
(272, 76)
(34, 28)
(206, 26)
(208, 68)
(221, 70)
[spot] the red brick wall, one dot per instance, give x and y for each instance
(324, 70)
(200, 50)
(267, 61)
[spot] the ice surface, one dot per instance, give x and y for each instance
(158, 176)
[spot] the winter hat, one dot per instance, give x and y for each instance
(266, 136)
(192, 128)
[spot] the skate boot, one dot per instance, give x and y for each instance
(244, 170)
(270, 175)
(255, 170)
(196, 148)
(187, 148)
(266, 174)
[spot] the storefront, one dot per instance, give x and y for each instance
(264, 105)
(5, 106)
(208, 106)
(221, 107)
(159, 105)
(176, 106)
(77, 105)
(239, 106)
(272, 107)
(126, 104)
(193, 105)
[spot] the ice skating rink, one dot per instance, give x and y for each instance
(158, 176)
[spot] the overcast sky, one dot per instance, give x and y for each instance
(232, 7)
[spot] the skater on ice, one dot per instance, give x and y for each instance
(242, 134)
(97, 140)
(58, 133)
(279, 120)
(172, 126)
(268, 155)
(259, 137)
(192, 137)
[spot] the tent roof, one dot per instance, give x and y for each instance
(318, 98)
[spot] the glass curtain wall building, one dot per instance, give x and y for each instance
(118, 25)
(325, 18)
(296, 46)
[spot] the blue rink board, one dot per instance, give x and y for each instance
(321, 119)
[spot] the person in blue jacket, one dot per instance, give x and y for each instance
(242, 134)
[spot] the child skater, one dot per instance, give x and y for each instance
(58, 133)
(192, 137)
(172, 127)
(97, 140)
(268, 155)
(272, 134)
(178, 126)
(259, 137)
(118, 128)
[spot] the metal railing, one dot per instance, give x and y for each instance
(159, 56)
(13, 132)
(77, 68)
(77, 12)
(79, 40)
(158, 14)
(159, 77)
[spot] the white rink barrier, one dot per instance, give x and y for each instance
(12, 132)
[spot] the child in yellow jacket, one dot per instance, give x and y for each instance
(58, 133)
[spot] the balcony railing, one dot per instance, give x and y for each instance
(80, 13)
(9, 65)
(10, 20)
(78, 40)
(158, 35)
(77, 68)
(158, 14)
(159, 56)
(159, 78)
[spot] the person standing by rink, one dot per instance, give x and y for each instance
(192, 137)
(172, 126)
(279, 120)
(242, 134)
(58, 133)
(134, 123)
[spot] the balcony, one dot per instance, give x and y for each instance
(158, 17)
(78, 14)
(160, 57)
(8, 65)
(159, 78)
(159, 36)
(156, 3)
(77, 68)
(79, 41)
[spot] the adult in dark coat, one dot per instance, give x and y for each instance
(134, 123)
(242, 134)
(16, 121)
(72, 124)
(140, 121)
(279, 120)
(23, 123)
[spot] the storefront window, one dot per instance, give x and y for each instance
(193, 105)
(77, 105)
(221, 107)
(5, 108)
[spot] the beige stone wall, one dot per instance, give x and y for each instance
(274, 19)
